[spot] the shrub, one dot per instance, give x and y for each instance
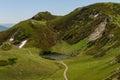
(12, 60)
(16, 42)
(3, 62)
(6, 46)
(117, 58)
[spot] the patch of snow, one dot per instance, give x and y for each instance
(11, 39)
(96, 15)
(23, 43)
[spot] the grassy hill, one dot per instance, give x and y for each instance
(36, 32)
(28, 66)
(89, 36)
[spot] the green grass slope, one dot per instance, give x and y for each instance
(29, 65)
(84, 67)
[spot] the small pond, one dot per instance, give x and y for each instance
(53, 55)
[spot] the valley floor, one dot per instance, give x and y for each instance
(30, 66)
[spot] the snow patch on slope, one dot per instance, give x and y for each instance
(96, 15)
(11, 39)
(22, 43)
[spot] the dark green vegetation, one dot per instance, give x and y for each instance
(10, 61)
(90, 36)
(6, 46)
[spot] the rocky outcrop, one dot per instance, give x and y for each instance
(98, 31)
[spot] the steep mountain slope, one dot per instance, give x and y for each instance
(83, 21)
(36, 32)
(91, 22)
(97, 34)
(98, 23)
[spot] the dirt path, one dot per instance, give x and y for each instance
(61, 62)
(65, 71)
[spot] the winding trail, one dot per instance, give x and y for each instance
(65, 71)
(61, 62)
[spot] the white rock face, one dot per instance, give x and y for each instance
(23, 43)
(11, 39)
(98, 31)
